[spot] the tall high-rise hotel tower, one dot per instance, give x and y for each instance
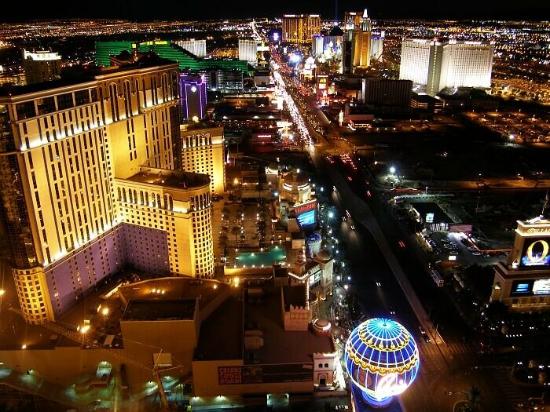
(91, 181)
(300, 29)
(437, 66)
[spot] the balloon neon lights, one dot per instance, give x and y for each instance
(381, 359)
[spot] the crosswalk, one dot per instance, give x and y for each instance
(437, 358)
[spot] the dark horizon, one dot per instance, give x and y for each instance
(141, 10)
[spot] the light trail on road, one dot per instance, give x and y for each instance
(295, 114)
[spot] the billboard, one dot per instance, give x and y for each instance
(541, 287)
(536, 252)
(531, 287)
(306, 219)
(522, 288)
(305, 207)
(306, 214)
(254, 374)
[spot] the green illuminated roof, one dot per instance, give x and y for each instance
(167, 50)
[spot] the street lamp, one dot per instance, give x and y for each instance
(392, 170)
(331, 214)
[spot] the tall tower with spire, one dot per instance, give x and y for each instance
(365, 22)
(361, 43)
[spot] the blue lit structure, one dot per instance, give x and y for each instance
(381, 359)
(307, 219)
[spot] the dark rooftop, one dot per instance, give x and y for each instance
(424, 98)
(170, 178)
(281, 346)
(336, 31)
(174, 288)
(295, 296)
(148, 310)
(279, 271)
(221, 333)
(424, 208)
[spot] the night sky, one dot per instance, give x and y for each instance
(204, 9)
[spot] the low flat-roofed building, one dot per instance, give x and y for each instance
(260, 355)
(147, 323)
(421, 101)
(431, 215)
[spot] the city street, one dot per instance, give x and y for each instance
(392, 282)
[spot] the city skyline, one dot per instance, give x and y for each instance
(274, 213)
(172, 10)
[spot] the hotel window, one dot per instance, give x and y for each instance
(82, 97)
(65, 101)
(45, 105)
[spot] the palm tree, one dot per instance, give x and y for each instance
(235, 230)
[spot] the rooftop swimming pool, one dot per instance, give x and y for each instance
(259, 259)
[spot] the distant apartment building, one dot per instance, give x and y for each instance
(41, 66)
(299, 29)
(376, 46)
(248, 51)
(436, 66)
(352, 20)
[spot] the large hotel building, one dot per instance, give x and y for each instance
(92, 180)
(437, 66)
(300, 29)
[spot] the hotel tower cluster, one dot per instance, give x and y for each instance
(95, 176)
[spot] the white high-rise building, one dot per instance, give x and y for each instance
(437, 66)
(248, 51)
(376, 47)
(415, 60)
(466, 64)
(41, 66)
(197, 47)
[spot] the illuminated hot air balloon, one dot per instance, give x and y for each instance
(381, 359)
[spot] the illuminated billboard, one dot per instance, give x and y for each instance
(306, 214)
(541, 287)
(305, 207)
(307, 219)
(536, 252)
(522, 288)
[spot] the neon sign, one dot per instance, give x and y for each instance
(536, 253)
(305, 207)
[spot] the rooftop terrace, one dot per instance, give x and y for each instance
(169, 178)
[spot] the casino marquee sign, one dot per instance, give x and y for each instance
(536, 252)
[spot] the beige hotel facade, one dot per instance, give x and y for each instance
(94, 178)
